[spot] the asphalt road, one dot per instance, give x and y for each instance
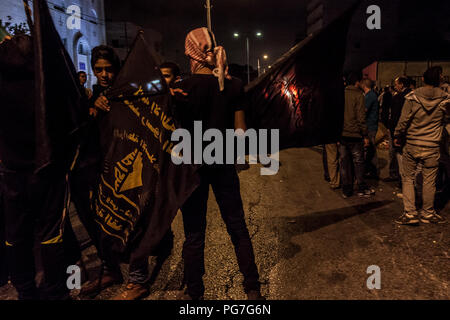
(310, 243)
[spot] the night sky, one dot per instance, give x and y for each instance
(411, 30)
(280, 22)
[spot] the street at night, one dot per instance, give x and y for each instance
(309, 243)
(215, 158)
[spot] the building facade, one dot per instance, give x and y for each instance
(80, 24)
(121, 35)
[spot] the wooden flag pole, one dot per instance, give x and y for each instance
(208, 14)
(28, 13)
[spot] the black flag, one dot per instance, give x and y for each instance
(303, 93)
(58, 98)
(140, 189)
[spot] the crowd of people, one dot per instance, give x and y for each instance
(417, 131)
(209, 95)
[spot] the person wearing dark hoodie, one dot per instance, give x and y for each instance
(421, 126)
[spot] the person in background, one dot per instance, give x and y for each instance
(171, 72)
(372, 115)
(353, 139)
(412, 83)
(402, 88)
(420, 128)
(385, 100)
(82, 77)
(332, 162)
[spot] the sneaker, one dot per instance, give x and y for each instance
(255, 295)
(92, 288)
(366, 193)
(432, 218)
(133, 291)
(346, 195)
(407, 219)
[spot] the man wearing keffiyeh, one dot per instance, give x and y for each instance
(216, 99)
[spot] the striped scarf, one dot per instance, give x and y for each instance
(200, 47)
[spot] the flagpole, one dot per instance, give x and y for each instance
(248, 60)
(28, 13)
(208, 14)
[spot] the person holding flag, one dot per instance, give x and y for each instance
(216, 99)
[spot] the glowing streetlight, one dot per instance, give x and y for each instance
(265, 57)
(259, 35)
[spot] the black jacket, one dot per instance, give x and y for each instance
(398, 101)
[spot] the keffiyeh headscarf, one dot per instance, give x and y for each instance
(200, 47)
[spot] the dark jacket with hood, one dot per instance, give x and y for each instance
(422, 118)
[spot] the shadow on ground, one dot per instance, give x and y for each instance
(294, 226)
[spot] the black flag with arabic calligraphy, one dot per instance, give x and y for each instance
(140, 189)
(303, 93)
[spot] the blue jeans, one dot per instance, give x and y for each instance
(351, 153)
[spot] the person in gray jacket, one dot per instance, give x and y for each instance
(420, 126)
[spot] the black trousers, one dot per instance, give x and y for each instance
(82, 188)
(225, 183)
(34, 227)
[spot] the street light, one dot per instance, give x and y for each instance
(265, 57)
(258, 34)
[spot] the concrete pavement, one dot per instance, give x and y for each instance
(310, 243)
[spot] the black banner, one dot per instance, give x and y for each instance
(59, 108)
(303, 93)
(140, 189)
